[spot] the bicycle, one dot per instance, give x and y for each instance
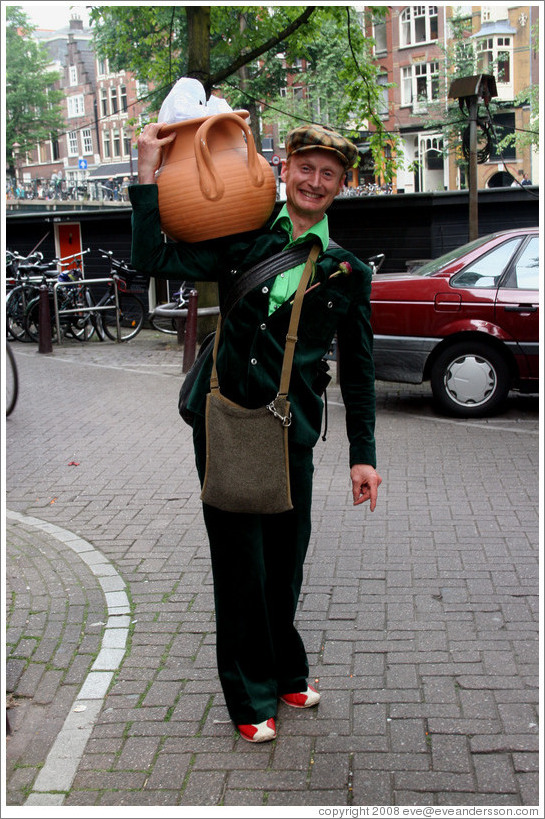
(12, 381)
(169, 324)
(76, 323)
(23, 278)
(119, 314)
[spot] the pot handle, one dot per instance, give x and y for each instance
(212, 185)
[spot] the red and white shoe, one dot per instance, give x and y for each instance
(304, 699)
(262, 732)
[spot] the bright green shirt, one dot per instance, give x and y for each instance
(286, 283)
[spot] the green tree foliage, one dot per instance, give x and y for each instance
(33, 110)
(241, 53)
(342, 90)
(160, 44)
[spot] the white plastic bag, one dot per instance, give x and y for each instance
(217, 105)
(187, 100)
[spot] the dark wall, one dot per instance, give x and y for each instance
(423, 226)
(107, 229)
(403, 226)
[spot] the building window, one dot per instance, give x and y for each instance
(494, 57)
(55, 151)
(73, 74)
(73, 143)
(123, 93)
(491, 14)
(76, 106)
(141, 90)
(117, 142)
(382, 104)
(106, 145)
(504, 124)
(379, 36)
(87, 140)
(419, 84)
(103, 102)
(102, 68)
(126, 144)
(418, 24)
(113, 100)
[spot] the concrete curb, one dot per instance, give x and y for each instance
(58, 772)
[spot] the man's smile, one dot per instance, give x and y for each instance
(311, 194)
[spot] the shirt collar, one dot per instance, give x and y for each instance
(320, 230)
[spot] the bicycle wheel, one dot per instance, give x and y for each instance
(12, 381)
(16, 303)
(131, 317)
(79, 325)
(163, 324)
(32, 321)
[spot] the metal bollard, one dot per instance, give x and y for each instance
(45, 344)
(190, 337)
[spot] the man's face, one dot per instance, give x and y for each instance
(313, 179)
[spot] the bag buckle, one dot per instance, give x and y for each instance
(285, 419)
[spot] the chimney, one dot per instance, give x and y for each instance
(76, 23)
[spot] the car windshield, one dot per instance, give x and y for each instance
(432, 267)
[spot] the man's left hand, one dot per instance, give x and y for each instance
(365, 483)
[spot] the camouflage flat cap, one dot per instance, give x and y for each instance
(307, 137)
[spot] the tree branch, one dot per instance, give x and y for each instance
(244, 59)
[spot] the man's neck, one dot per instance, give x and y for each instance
(301, 223)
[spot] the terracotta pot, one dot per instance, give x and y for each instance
(212, 181)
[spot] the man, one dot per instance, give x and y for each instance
(257, 560)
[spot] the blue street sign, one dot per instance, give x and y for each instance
(82, 164)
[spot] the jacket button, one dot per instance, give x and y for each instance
(253, 361)
(265, 290)
(262, 326)
(330, 304)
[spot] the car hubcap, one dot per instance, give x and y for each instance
(470, 380)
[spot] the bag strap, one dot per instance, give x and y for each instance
(262, 271)
(291, 336)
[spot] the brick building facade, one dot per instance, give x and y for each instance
(94, 156)
(410, 47)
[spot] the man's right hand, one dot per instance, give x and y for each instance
(150, 151)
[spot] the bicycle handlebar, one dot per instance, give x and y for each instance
(118, 264)
(14, 255)
(66, 259)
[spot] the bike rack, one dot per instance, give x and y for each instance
(85, 308)
(165, 311)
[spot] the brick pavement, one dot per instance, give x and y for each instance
(421, 620)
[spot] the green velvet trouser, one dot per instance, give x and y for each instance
(257, 565)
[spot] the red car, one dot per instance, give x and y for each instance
(468, 322)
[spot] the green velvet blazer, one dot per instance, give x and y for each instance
(252, 344)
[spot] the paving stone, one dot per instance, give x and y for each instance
(421, 620)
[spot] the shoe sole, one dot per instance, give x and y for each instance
(293, 705)
(254, 741)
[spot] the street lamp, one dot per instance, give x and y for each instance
(468, 90)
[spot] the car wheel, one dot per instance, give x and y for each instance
(470, 379)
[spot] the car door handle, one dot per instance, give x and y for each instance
(520, 308)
